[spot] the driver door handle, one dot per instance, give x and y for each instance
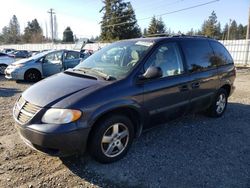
(195, 85)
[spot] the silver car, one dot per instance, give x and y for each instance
(5, 60)
(42, 65)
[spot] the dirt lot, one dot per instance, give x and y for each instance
(194, 151)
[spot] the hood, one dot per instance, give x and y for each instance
(55, 88)
(22, 61)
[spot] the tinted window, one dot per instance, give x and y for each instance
(54, 57)
(198, 55)
(221, 55)
(2, 54)
(168, 58)
(72, 55)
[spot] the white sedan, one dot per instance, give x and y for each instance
(5, 60)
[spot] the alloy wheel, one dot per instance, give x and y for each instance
(115, 140)
(221, 103)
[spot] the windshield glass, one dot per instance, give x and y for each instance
(117, 59)
(39, 55)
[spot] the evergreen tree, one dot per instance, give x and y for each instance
(210, 27)
(225, 32)
(11, 33)
(145, 32)
(191, 32)
(119, 21)
(233, 31)
(33, 32)
(241, 31)
(156, 26)
(68, 35)
(14, 29)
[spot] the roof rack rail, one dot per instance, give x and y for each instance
(178, 35)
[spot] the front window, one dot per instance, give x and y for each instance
(117, 59)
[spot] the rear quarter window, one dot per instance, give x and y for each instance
(221, 55)
(198, 54)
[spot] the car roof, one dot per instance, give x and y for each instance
(175, 37)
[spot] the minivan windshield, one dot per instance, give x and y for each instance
(115, 60)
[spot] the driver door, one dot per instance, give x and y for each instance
(166, 97)
(52, 63)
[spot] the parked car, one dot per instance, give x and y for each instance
(33, 52)
(21, 54)
(108, 99)
(42, 65)
(8, 50)
(5, 60)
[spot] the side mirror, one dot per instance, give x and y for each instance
(151, 73)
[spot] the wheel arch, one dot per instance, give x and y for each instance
(227, 87)
(132, 112)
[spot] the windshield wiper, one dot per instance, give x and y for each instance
(104, 75)
(97, 73)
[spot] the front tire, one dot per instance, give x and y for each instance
(111, 139)
(219, 104)
(32, 76)
(2, 69)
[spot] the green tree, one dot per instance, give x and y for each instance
(11, 33)
(156, 26)
(191, 32)
(241, 32)
(233, 31)
(145, 32)
(118, 21)
(68, 35)
(210, 27)
(33, 32)
(14, 29)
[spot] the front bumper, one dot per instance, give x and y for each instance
(55, 143)
(13, 74)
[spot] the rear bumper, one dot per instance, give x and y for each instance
(55, 144)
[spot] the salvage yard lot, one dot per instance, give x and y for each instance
(193, 151)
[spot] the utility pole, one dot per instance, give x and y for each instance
(55, 28)
(46, 28)
(248, 26)
(247, 40)
(51, 23)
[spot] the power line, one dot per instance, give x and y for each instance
(187, 8)
(166, 13)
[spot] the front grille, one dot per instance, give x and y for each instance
(24, 111)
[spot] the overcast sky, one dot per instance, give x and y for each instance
(83, 15)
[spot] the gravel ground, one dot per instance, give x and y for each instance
(193, 151)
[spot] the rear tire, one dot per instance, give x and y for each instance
(111, 139)
(32, 76)
(2, 69)
(219, 104)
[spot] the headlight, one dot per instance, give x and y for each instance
(17, 66)
(61, 116)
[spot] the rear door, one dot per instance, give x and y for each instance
(166, 97)
(202, 70)
(52, 63)
(71, 59)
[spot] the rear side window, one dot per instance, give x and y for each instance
(199, 55)
(221, 55)
(72, 55)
